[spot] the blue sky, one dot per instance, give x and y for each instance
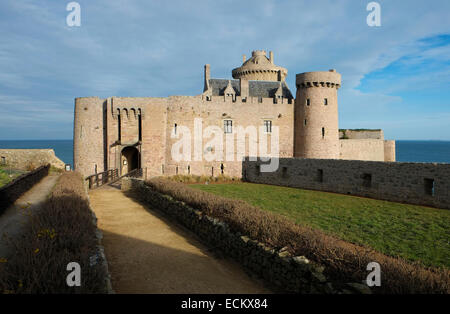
(395, 77)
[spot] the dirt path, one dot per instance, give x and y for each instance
(13, 219)
(149, 254)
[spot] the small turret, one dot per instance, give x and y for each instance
(260, 68)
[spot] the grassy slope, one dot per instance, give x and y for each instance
(412, 232)
(5, 178)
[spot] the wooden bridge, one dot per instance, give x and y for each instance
(111, 176)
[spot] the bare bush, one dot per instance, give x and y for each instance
(60, 232)
(344, 262)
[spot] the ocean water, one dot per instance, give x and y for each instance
(423, 151)
(407, 151)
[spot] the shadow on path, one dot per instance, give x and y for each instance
(147, 253)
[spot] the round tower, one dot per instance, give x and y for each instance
(316, 131)
(88, 135)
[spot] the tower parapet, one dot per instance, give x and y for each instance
(316, 131)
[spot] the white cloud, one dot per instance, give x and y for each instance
(152, 48)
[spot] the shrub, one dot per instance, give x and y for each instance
(30, 166)
(201, 179)
(344, 262)
(60, 232)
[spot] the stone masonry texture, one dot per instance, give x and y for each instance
(414, 183)
(115, 132)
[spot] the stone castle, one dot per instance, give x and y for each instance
(138, 132)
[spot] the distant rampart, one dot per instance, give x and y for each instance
(28, 159)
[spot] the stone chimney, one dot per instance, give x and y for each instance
(244, 57)
(207, 76)
(271, 57)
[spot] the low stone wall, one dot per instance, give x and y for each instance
(414, 183)
(293, 274)
(26, 159)
(14, 189)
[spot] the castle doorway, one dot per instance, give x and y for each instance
(129, 159)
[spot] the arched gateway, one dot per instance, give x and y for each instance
(129, 160)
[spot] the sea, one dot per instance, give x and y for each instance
(407, 151)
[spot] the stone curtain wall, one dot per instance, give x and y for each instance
(294, 274)
(24, 158)
(364, 149)
(13, 190)
(414, 183)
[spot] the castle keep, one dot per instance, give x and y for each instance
(139, 132)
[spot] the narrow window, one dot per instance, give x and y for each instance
(367, 180)
(319, 175)
(140, 127)
(175, 129)
(119, 131)
(284, 172)
(323, 132)
(228, 126)
(162, 169)
(308, 102)
(325, 101)
(267, 126)
(189, 169)
(429, 186)
(212, 171)
(304, 122)
(176, 170)
(258, 170)
(95, 168)
(221, 168)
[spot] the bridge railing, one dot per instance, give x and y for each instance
(111, 176)
(135, 173)
(102, 178)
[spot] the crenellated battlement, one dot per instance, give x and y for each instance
(330, 79)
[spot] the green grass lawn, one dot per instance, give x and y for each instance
(413, 232)
(7, 175)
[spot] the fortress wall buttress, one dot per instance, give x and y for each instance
(389, 150)
(316, 131)
(89, 135)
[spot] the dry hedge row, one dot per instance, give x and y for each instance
(343, 261)
(60, 232)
